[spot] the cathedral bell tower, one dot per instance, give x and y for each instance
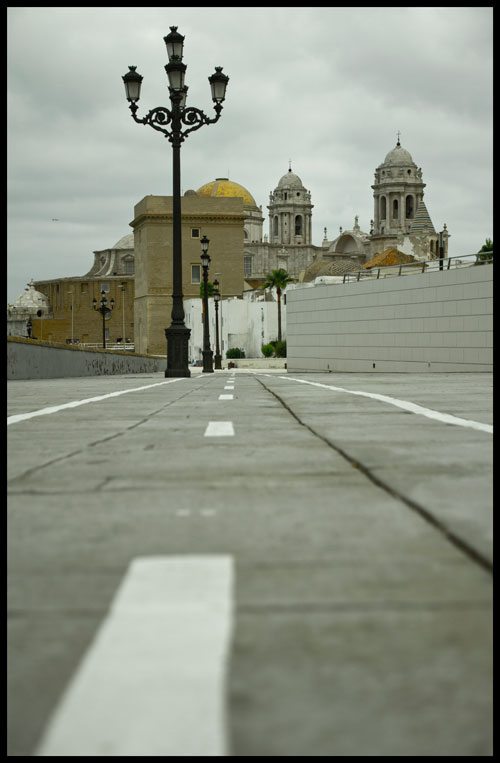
(397, 192)
(290, 212)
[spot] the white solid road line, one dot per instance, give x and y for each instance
(75, 403)
(219, 429)
(445, 418)
(152, 683)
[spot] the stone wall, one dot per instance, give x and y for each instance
(29, 359)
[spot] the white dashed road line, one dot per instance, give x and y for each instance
(226, 397)
(152, 682)
(219, 429)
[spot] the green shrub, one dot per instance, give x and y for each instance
(280, 349)
(267, 350)
(234, 352)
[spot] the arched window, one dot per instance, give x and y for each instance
(409, 207)
(395, 209)
(298, 225)
(383, 208)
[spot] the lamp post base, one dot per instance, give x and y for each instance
(177, 351)
(208, 367)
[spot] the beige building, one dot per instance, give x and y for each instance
(70, 316)
(221, 219)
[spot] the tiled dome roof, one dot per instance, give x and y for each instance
(228, 188)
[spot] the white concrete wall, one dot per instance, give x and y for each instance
(245, 324)
(439, 321)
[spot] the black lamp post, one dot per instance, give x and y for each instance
(105, 312)
(180, 121)
(207, 352)
(217, 358)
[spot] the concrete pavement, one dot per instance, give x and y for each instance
(360, 532)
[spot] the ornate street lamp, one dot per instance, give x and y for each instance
(217, 358)
(207, 352)
(180, 121)
(105, 312)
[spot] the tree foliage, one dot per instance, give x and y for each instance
(485, 254)
(278, 279)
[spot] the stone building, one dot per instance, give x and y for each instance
(289, 242)
(221, 218)
(71, 317)
(28, 308)
(400, 217)
(137, 271)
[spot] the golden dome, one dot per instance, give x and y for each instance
(227, 188)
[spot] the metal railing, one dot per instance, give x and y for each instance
(98, 345)
(413, 268)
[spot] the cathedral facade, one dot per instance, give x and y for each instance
(137, 274)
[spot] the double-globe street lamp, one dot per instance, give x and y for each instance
(181, 121)
(217, 357)
(207, 352)
(105, 312)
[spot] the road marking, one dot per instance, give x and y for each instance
(152, 683)
(75, 403)
(208, 512)
(226, 397)
(445, 418)
(219, 429)
(228, 387)
(203, 512)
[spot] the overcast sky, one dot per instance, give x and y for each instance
(327, 88)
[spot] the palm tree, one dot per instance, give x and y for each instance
(279, 280)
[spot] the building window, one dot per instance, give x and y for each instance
(84, 287)
(275, 226)
(195, 273)
(128, 266)
(395, 209)
(104, 287)
(298, 225)
(383, 208)
(195, 233)
(409, 207)
(247, 266)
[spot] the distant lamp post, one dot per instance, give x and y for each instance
(29, 326)
(123, 289)
(207, 352)
(72, 316)
(181, 121)
(217, 358)
(105, 312)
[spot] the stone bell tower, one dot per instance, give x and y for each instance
(290, 212)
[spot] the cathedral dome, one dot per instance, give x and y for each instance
(290, 180)
(127, 242)
(399, 156)
(223, 187)
(31, 300)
